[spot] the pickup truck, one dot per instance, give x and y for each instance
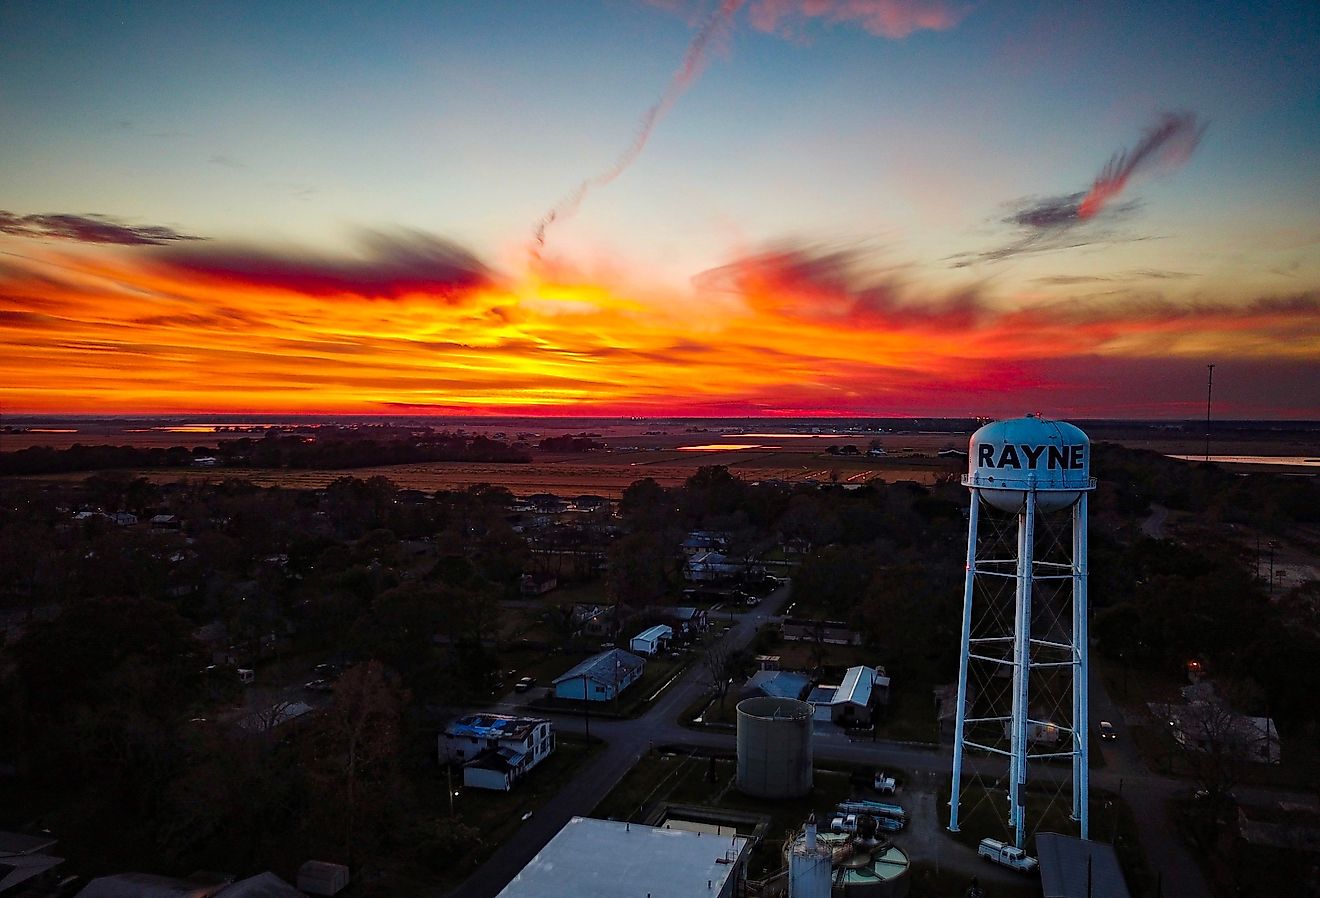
(1006, 855)
(885, 785)
(844, 823)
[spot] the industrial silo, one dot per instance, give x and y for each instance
(774, 747)
(810, 866)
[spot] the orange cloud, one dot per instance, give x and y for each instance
(427, 326)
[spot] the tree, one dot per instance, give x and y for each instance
(352, 762)
(720, 663)
(641, 567)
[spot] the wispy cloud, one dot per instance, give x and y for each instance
(389, 266)
(87, 229)
(884, 18)
(1072, 220)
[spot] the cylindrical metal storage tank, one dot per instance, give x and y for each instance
(809, 867)
(774, 747)
(1007, 458)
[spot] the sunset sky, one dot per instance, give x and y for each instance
(777, 207)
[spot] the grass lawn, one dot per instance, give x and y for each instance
(929, 882)
(910, 716)
(495, 815)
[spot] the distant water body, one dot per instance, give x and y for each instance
(1294, 461)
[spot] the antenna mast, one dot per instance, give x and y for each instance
(1209, 391)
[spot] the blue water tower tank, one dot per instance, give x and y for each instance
(1007, 458)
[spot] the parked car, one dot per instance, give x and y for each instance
(1107, 731)
(328, 671)
(1006, 855)
(524, 684)
(885, 785)
(321, 685)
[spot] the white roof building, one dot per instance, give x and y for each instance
(591, 858)
(650, 641)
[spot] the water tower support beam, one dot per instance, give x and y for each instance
(1022, 664)
(1081, 674)
(960, 710)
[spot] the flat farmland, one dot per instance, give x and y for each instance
(603, 473)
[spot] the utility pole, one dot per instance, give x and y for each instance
(586, 707)
(1209, 391)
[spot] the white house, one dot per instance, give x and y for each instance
(1214, 727)
(708, 566)
(496, 750)
(648, 642)
(851, 702)
(601, 677)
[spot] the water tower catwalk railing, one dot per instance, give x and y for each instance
(1029, 468)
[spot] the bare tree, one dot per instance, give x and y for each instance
(719, 662)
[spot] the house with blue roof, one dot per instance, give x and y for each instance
(496, 750)
(601, 677)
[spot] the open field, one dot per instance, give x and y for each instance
(606, 474)
(670, 453)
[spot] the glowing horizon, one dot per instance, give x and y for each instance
(789, 332)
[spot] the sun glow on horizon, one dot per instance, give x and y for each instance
(770, 334)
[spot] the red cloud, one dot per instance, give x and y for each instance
(883, 18)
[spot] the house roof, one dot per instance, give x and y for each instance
(22, 843)
(147, 885)
(778, 683)
(493, 726)
(606, 858)
(17, 869)
(1066, 865)
(501, 760)
(856, 686)
(263, 885)
(659, 631)
(605, 667)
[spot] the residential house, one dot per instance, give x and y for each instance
(1215, 727)
(23, 859)
(827, 631)
(496, 750)
(652, 640)
(699, 542)
(536, 584)
(852, 701)
(776, 684)
(708, 567)
(601, 677)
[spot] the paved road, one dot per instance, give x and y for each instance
(1153, 526)
(628, 740)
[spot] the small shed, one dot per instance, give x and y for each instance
(652, 640)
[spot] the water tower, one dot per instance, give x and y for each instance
(1023, 667)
